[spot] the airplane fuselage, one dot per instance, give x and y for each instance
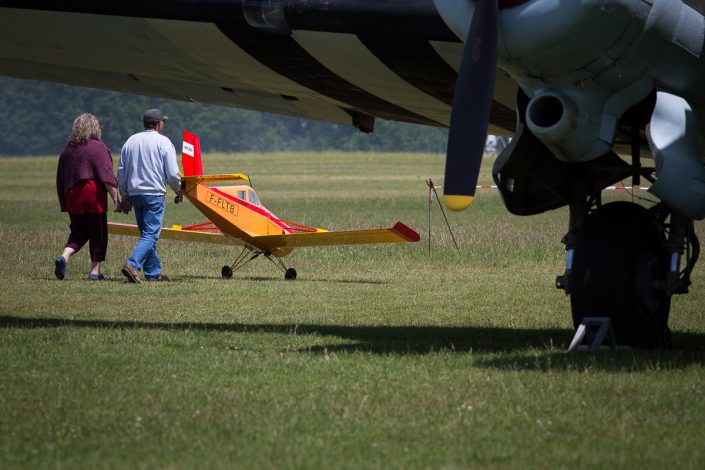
(230, 210)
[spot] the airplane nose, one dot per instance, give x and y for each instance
(538, 39)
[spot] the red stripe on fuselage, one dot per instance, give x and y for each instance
(252, 207)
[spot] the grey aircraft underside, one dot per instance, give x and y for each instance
(587, 88)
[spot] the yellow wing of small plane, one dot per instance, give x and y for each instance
(399, 233)
(177, 232)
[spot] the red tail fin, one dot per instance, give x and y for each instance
(191, 155)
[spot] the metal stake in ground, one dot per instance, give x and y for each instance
(431, 192)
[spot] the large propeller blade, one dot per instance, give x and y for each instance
(471, 107)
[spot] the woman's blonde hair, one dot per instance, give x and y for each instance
(85, 128)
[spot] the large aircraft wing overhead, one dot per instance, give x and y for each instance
(399, 233)
(177, 233)
(346, 62)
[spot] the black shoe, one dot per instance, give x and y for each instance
(60, 267)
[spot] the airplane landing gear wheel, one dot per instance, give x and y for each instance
(619, 271)
(226, 272)
(290, 274)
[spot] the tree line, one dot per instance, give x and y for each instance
(36, 119)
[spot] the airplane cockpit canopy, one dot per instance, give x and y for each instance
(248, 195)
(252, 198)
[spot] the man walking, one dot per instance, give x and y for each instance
(147, 165)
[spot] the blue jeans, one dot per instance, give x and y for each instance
(149, 211)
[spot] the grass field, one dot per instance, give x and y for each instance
(374, 357)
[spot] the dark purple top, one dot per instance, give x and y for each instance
(86, 161)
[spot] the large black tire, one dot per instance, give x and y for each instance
(619, 259)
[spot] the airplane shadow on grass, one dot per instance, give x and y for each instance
(497, 348)
(237, 278)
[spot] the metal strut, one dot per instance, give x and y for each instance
(242, 259)
(636, 157)
(289, 273)
(277, 261)
(681, 242)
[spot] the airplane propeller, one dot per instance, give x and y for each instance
(472, 102)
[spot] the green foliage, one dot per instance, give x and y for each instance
(36, 119)
(375, 357)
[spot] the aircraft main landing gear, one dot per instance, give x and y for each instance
(618, 270)
(243, 258)
(624, 263)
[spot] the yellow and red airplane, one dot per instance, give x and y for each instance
(237, 217)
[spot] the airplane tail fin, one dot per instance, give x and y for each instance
(191, 155)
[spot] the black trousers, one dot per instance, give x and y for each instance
(92, 228)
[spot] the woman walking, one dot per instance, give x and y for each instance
(84, 178)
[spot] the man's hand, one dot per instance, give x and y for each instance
(180, 195)
(124, 206)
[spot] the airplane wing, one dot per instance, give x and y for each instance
(399, 233)
(344, 61)
(177, 233)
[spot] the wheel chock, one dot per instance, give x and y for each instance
(592, 333)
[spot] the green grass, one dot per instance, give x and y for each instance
(374, 357)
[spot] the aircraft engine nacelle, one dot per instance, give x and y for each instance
(539, 38)
(618, 41)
